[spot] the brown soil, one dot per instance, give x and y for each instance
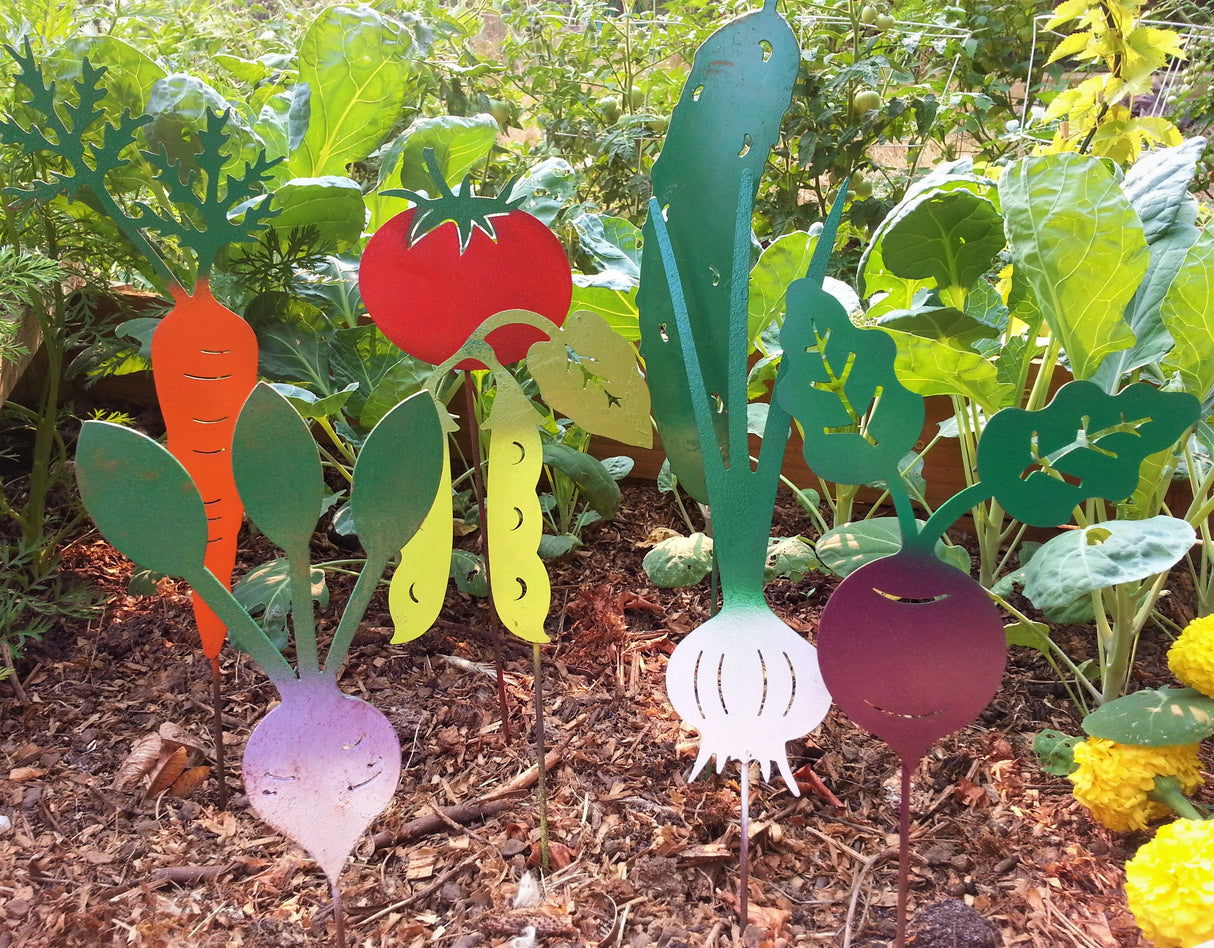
(641, 856)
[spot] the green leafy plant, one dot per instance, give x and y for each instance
(1095, 115)
(600, 83)
(582, 489)
(991, 342)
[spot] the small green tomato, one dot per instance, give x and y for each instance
(609, 105)
(866, 100)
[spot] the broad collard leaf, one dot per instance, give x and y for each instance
(930, 367)
(611, 242)
(355, 63)
(942, 323)
(947, 237)
(847, 547)
(839, 383)
(266, 591)
(1157, 185)
(1103, 555)
(789, 557)
(784, 260)
(1188, 314)
(333, 204)
(141, 499)
(459, 143)
(679, 561)
(1084, 443)
(590, 374)
(1154, 718)
(597, 485)
(613, 300)
(875, 279)
(1152, 342)
(129, 72)
(1081, 247)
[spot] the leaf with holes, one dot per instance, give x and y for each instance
(839, 384)
(1084, 443)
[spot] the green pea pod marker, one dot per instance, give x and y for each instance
(725, 124)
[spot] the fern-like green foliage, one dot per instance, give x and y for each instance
(203, 197)
(214, 204)
(90, 162)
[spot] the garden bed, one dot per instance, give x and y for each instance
(644, 857)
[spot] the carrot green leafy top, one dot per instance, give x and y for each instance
(206, 221)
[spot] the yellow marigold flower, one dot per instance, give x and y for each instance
(1170, 885)
(1191, 656)
(1113, 780)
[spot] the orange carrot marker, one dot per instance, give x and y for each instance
(204, 356)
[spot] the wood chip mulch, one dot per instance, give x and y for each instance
(639, 856)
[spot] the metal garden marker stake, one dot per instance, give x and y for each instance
(743, 679)
(911, 647)
(322, 764)
(489, 247)
(204, 356)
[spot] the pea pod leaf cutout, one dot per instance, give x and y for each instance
(141, 499)
(518, 578)
(1085, 443)
(1154, 718)
(419, 584)
(839, 384)
(396, 476)
(589, 372)
(724, 125)
(277, 468)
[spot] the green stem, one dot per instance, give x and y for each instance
(1080, 678)
(356, 608)
(1168, 792)
(1041, 384)
(338, 442)
(303, 620)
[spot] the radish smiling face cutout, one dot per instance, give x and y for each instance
(320, 767)
(911, 649)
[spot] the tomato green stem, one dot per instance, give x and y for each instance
(463, 207)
